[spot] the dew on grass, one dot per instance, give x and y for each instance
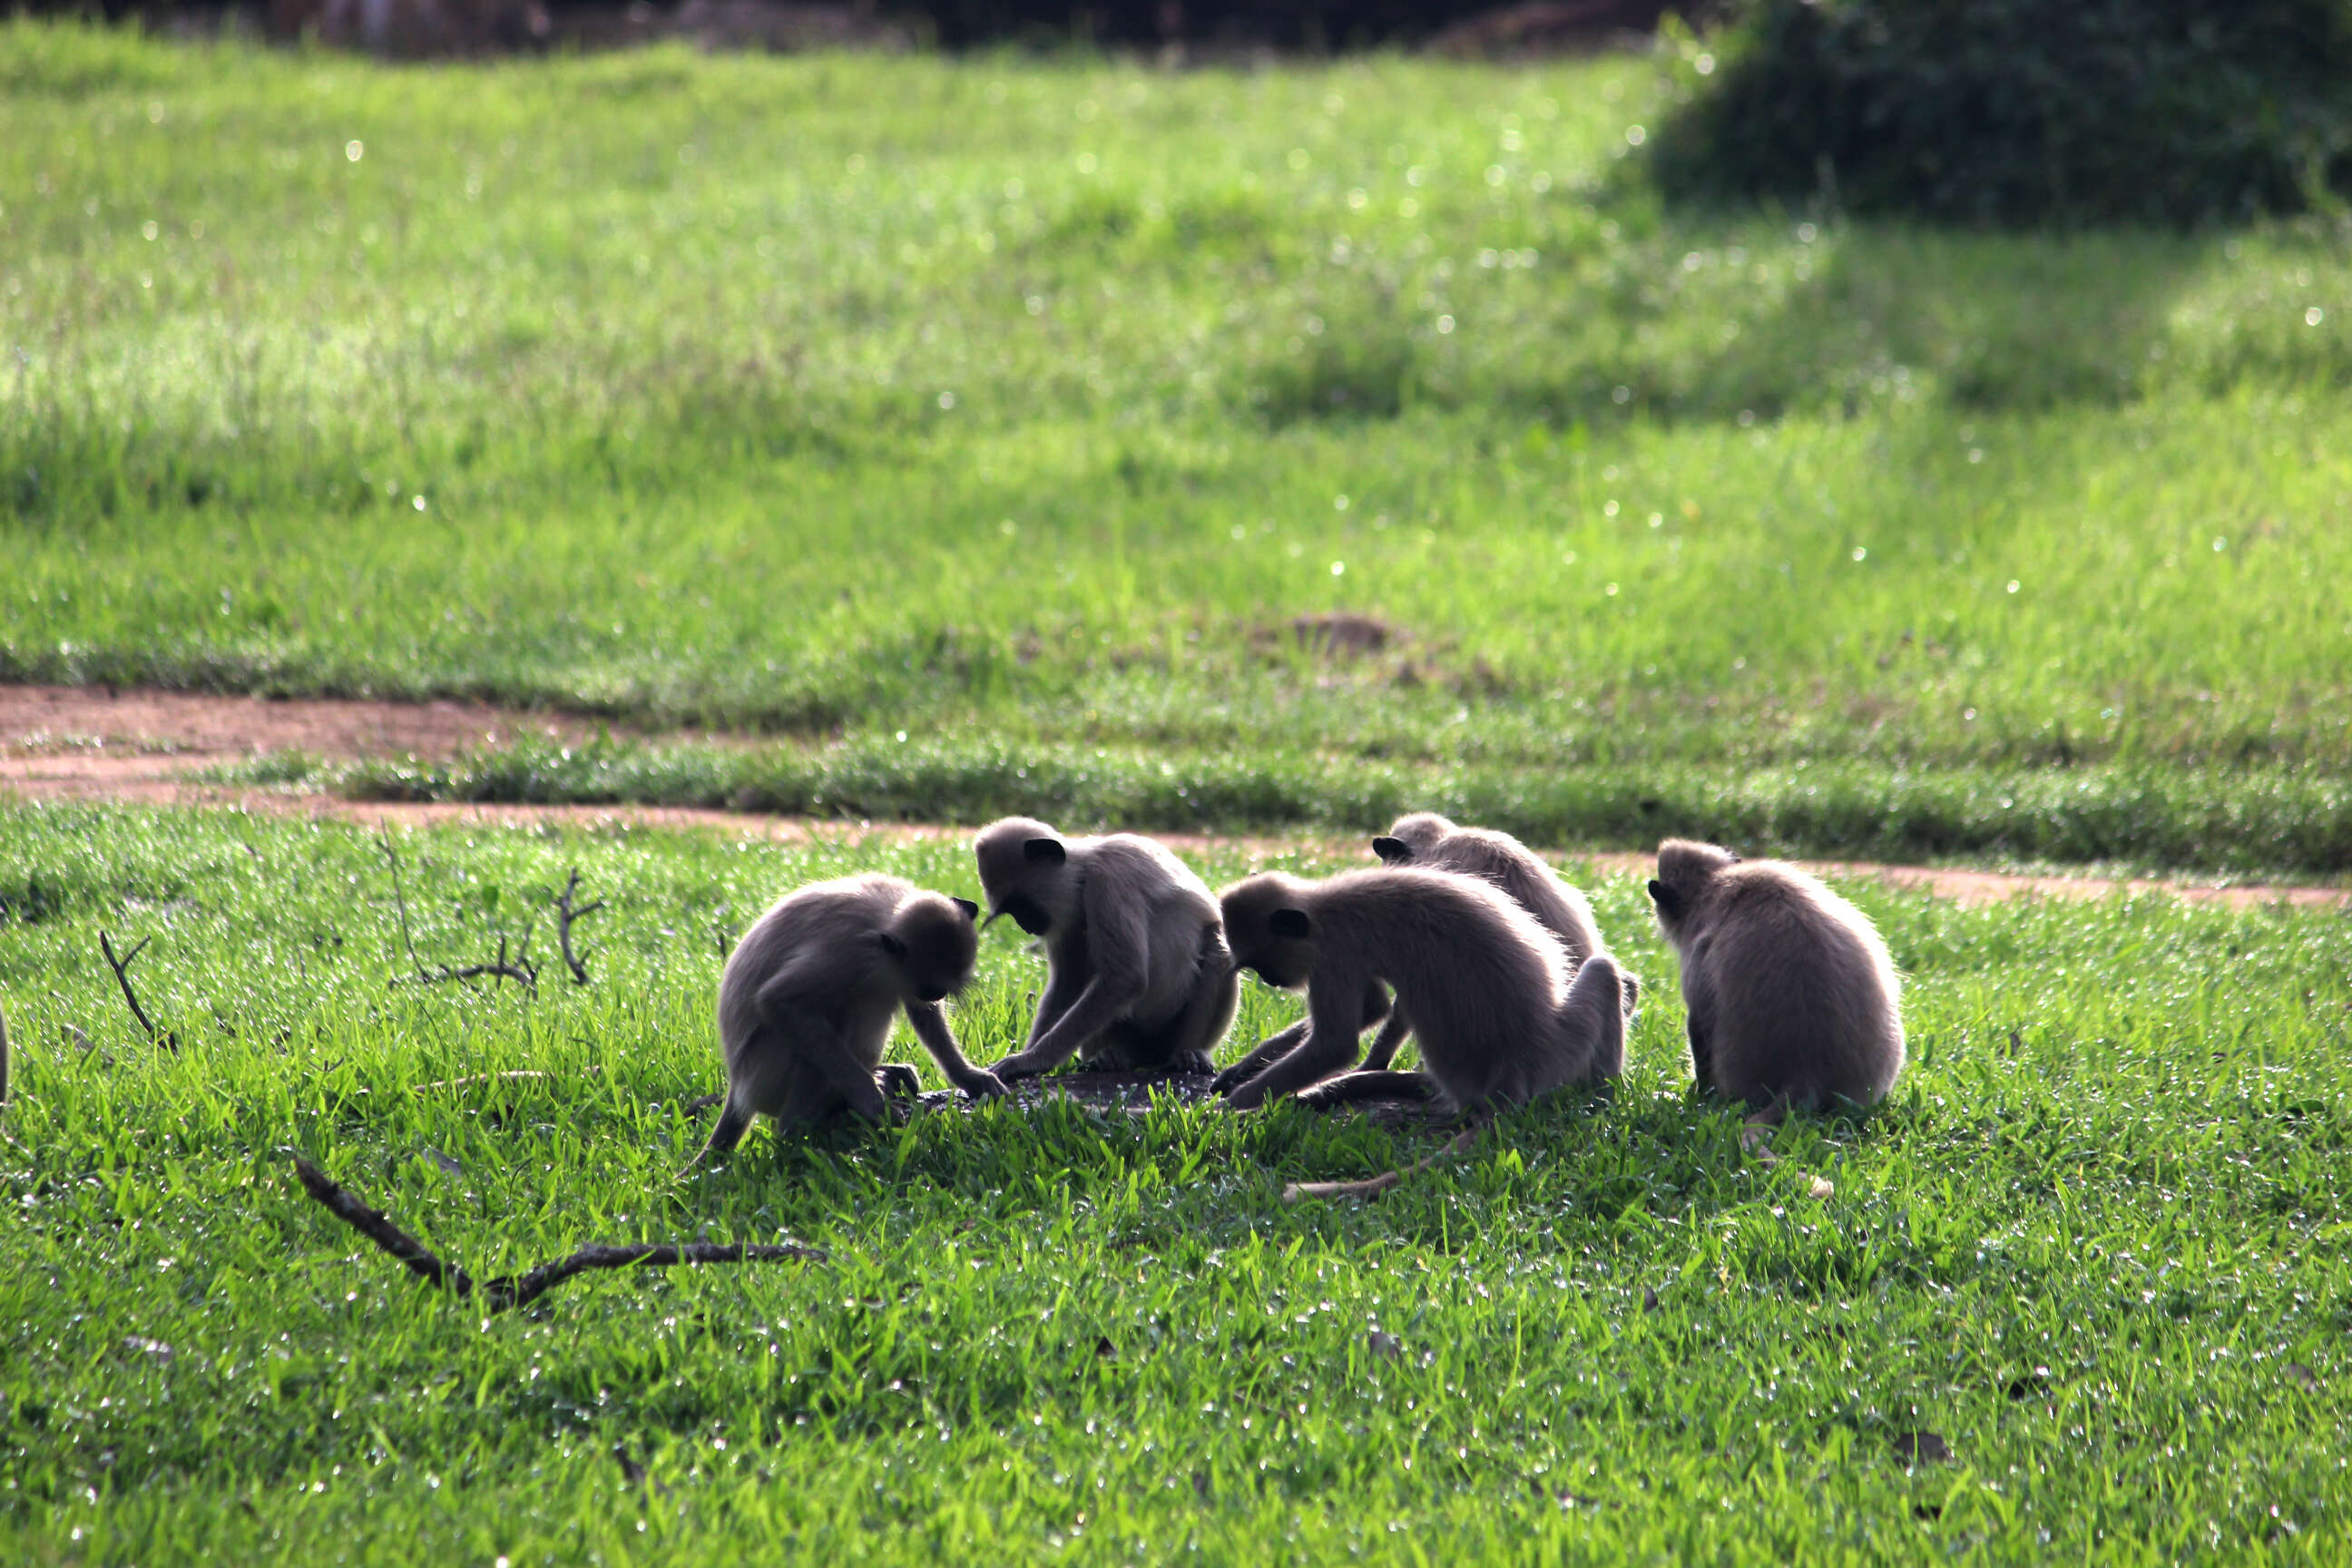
(1338, 503)
(1338, 569)
(1444, 324)
(1657, 520)
(2314, 316)
(1620, 394)
(2219, 545)
(1861, 553)
(354, 151)
(2013, 586)
(1636, 135)
(149, 229)
(1610, 590)
(1608, 508)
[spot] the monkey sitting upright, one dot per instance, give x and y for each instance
(1488, 991)
(807, 1001)
(1138, 977)
(1793, 998)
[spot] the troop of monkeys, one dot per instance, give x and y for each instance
(1462, 938)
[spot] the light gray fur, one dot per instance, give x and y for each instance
(1500, 1015)
(807, 999)
(1436, 844)
(1793, 998)
(1137, 975)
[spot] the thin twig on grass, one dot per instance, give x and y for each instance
(121, 967)
(511, 1290)
(1372, 1187)
(520, 970)
(566, 911)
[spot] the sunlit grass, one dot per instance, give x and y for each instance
(2091, 1244)
(1035, 399)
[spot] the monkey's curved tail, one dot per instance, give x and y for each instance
(734, 1122)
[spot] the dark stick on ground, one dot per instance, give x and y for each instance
(566, 911)
(509, 1292)
(1372, 1187)
(121, 967)
(521, 969)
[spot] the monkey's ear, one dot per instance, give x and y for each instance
(1669, 902)
(971, 910)
(1391, 851)
(891, 945)
(1048, 850)
(1291, 923)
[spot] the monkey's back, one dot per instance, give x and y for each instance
(1807, 1007)
(831, 914)
(1519, 872)
(1179, 907)
(1481, 979)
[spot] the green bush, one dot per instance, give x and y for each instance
(2014, 111)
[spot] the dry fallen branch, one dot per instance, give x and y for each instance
(520, 970)
(509, 1291)
(566, 912)
(121, 967)
(1374, 1187)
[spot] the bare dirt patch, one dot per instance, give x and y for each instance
(62, 743)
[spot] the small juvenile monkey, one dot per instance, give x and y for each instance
(1791, 996)
(1431, 841)
(1489, 990)
(1137, 976)
(807, 1001)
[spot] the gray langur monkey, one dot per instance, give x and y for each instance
(1432, 842)
(1499, 1018)
(807, 999)
(1137, 976)
(1793, 998)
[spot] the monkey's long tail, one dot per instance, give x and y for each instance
(734, 1122)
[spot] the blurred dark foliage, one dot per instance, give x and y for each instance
(2018, 111)
(1313, 26)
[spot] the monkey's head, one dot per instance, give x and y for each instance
(1025, 870)
(1266, 926)
(1411, 838)
(931, 942)
(1686, 871)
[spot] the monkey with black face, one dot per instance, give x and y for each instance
(1432, 842)
(807, 999)
(1137, 976)
(1792, 999)
(1490, 994)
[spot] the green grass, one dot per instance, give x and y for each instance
(1011, 403)
(2094, 1242)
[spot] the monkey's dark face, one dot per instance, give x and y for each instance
(1026, 912)
(1268, 933)
(1023, 868)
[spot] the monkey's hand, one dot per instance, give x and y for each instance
(982, 1085)
(1017, 1066)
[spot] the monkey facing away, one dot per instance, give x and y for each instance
(1490, 994)
(1791, 996)
(1432, 842)
(807, 999)
(1137, 976)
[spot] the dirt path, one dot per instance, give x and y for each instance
(63, 742)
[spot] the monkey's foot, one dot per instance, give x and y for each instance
(896, 1079)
